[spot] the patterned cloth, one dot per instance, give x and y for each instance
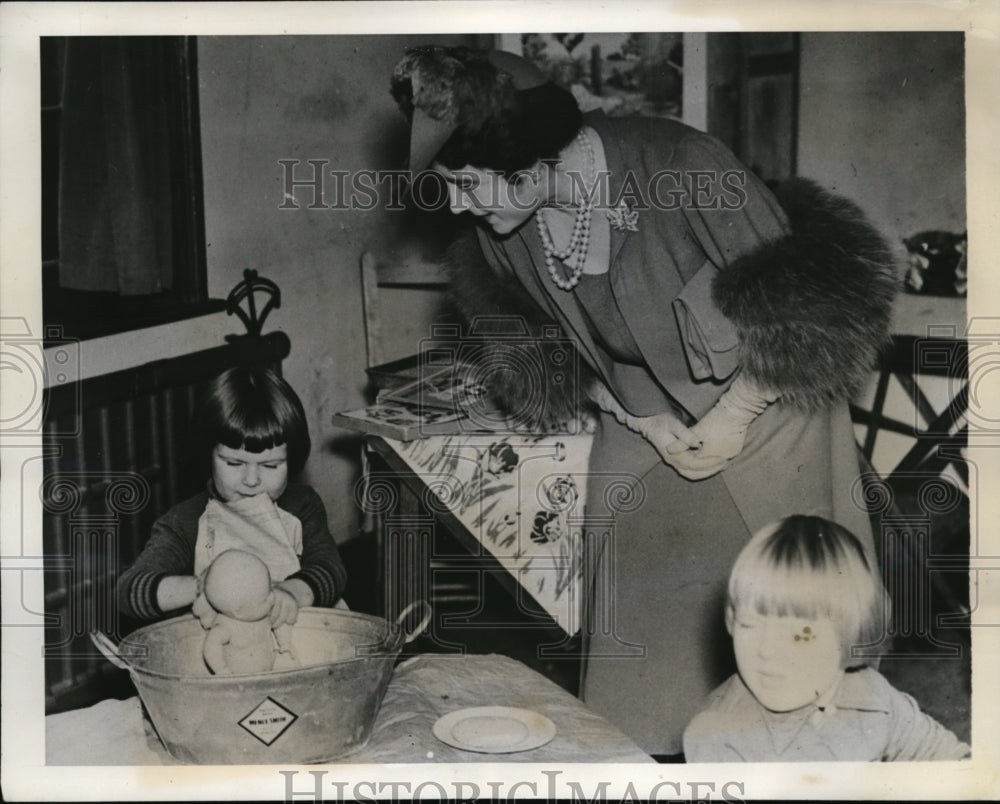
(522, 498)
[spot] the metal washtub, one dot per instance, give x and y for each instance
(316, 712)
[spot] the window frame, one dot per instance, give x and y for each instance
(92, 314)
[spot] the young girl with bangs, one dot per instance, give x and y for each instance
(251, 429)
(806, 612)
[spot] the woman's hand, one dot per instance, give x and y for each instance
(722, 431)
(694, 464)
(669, 436)
(289, 596)
(722, 436)
(667, 433)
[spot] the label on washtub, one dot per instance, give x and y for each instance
(268, 721)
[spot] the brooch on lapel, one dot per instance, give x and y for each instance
(623, 218)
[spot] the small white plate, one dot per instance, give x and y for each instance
(494, 729)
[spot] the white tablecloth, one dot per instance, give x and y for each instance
(422, 689)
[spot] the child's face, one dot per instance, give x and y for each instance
(786, 662)
(237, 473)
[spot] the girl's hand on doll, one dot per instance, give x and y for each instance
(203, 610)
(284, 608)
(289, 596)
(177, 591)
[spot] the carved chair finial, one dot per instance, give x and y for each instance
(245, 291)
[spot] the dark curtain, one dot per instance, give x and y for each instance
(115, 202)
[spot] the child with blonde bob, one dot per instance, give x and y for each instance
(803, 598)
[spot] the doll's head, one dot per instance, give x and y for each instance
(252, 430)
(802, 593)
(238, 585)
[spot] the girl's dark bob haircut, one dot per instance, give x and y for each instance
(810, 567)
(252, 409)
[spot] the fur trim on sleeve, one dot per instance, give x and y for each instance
(813, 308)
(478, 291)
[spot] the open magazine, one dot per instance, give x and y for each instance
(421, 400)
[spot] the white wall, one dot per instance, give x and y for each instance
(882, 121)
(270, 98)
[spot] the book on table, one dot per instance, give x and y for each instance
(417, 399)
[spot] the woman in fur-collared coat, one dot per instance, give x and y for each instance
(722, 329)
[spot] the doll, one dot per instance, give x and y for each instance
(235, 606)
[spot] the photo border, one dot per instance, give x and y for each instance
(24, 774)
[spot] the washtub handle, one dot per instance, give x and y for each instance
(424, 621)
(110, 650)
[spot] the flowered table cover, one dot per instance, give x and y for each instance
(522, 497)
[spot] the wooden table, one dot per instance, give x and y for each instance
(422, 689)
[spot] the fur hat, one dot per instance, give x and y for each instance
(443, 88)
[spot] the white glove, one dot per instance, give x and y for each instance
(603, 398)
(664, 430)
(722, 431)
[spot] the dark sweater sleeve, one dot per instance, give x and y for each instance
(322, 567)
(169, 551)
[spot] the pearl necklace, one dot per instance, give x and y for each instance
(579, 241)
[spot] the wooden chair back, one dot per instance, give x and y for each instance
(377, 274)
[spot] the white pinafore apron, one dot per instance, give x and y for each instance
(254, 524)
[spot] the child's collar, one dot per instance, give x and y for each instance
(825, 707)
